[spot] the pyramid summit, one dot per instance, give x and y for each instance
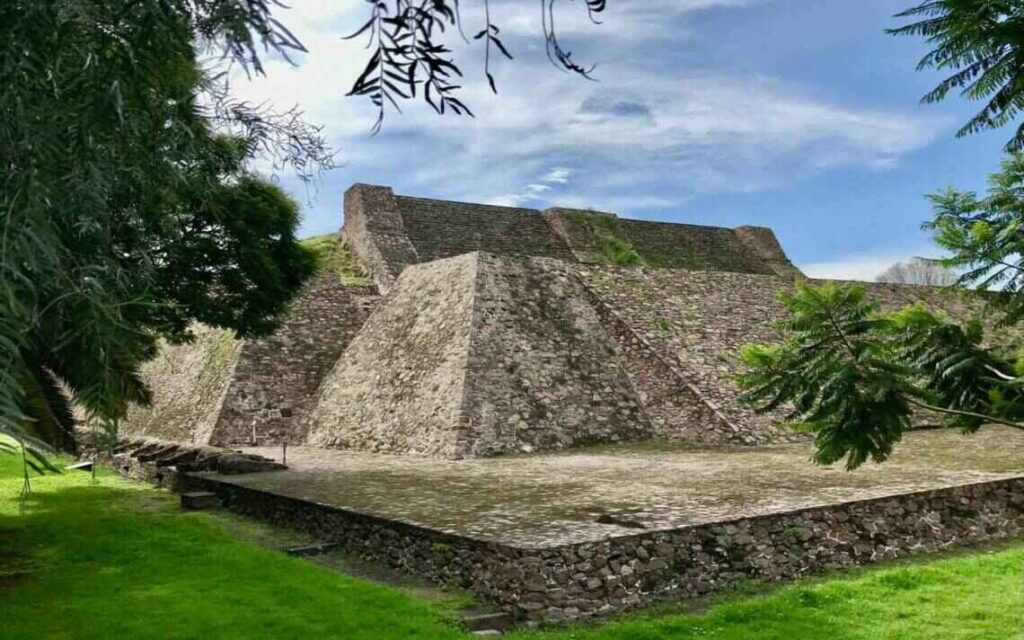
(388, 233)
(458, 330)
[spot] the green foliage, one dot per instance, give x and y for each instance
(835, 376)
(984, 236)
(619, 252)
(47, 405)
(955, 370)
(76, 542)
(853, 376)
(332, 257)
(129, 211)
(602, 229)
(980, 42)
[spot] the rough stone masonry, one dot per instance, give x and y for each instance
(476, 331)
(492, 330)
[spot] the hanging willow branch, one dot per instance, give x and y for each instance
(408, 56)
(406, 40)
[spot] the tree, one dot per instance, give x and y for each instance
(856, 377)
(918, 271)
(982, 42)
(129, 208)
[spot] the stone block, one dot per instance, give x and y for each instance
(305, 551)
(195, 500)
(489, 621)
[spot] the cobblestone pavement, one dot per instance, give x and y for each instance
(540, 500)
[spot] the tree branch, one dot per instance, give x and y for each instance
(842, 335)
(999, 374)
(965, 414)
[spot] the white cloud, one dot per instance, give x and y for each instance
(621, 20)
(706, 133)
(533, 192)
(641, 137)
(558, 175)
(862, 267)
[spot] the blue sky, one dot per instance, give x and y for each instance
(800, 115)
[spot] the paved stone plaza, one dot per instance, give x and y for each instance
(546, 500)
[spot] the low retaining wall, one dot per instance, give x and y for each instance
(618, 574)
(168, 464)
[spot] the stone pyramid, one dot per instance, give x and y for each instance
(459, 330)
(477, 355)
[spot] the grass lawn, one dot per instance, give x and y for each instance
(114, 559)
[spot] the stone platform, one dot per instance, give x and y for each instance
(610, 528)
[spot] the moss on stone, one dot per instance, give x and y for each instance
(332, 257)
(221, 353)
(603, 231)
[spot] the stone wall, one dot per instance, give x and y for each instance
(168, 464)
(375, 233)
(276, 378)
(624, 573)
(388, 233)
(188, 384)
(223, 391)
(441, 229)
(594, 235)
(675, 408)
(398, 386)
(698, 319)
(479, 355)
(617, 574)
(762, 241)
(542, 375)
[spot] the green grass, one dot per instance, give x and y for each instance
(114, 559)
(603, 229)
(331, 257)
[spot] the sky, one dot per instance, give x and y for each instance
(799, 115)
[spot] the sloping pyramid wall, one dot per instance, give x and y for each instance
(225, 391)
(389, 232)
(276, 377)
(479, 355)
(697, 319)
(591, 235)
(188, 384)
(399, 385)
(542, 373)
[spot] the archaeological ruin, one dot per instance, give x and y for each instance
(540, 407)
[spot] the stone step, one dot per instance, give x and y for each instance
(489, 621)
(312, 549)
(486, 633)
(80, 466)
(199, 500)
